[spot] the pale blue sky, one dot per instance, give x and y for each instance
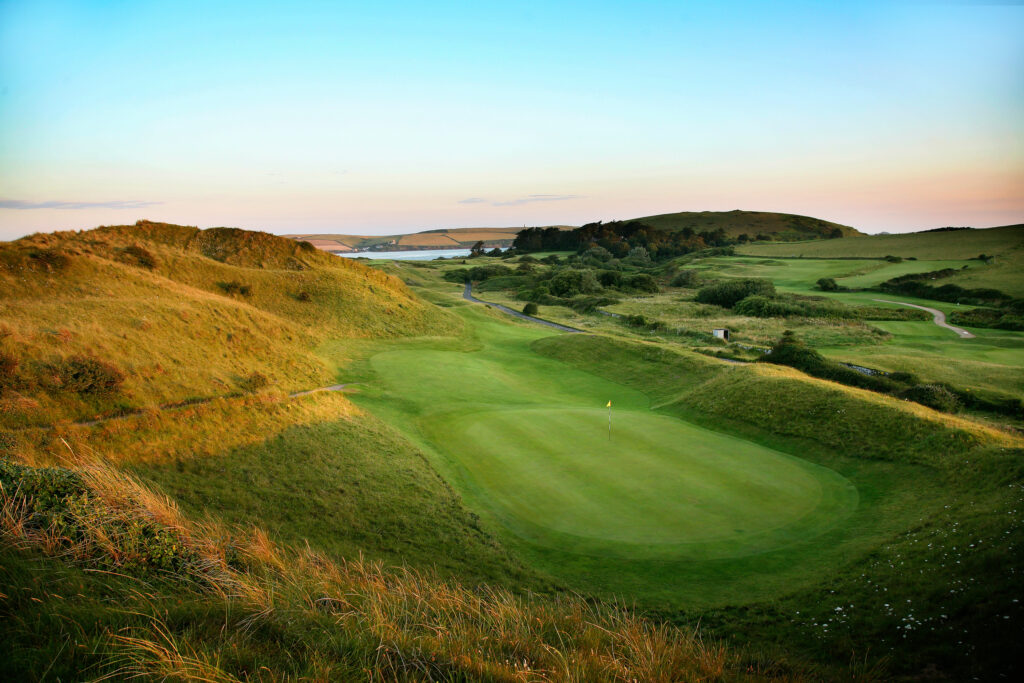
(389, 117)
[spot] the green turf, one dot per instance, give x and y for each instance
(659, 486)
(671, 512)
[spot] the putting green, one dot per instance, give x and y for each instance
(524, 438)
(659, 487)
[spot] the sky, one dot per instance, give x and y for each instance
(389, 117)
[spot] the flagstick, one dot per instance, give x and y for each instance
(609, 421)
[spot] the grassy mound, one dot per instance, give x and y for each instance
(180, 313)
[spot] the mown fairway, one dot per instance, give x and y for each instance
(525, 440)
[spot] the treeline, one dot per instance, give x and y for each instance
(757, 298)
(573, 282)
(619, 238)
(794, 353)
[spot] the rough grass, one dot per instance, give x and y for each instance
(243, 607)
(171, 329)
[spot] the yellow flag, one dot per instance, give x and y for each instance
(609, 404)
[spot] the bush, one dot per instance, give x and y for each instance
(894, 259)
(644, 283)
(85, 375)
(827, 284)
(610, 278)
(8, 369)
(235, 287)
(50, 259)
(570, 282)
(932, 395)
(140, 256)
(530, 309)
(685, 278)
(729, 292)
(303, 296)
(253, 382)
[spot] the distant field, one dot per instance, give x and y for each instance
(958, 244)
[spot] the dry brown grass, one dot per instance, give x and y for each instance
(404, 625)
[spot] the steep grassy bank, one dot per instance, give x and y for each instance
(160, 313)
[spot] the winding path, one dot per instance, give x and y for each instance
(938, 316)
(467, 294)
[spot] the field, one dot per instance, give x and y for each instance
(798, 522)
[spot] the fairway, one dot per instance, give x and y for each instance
(525, 440)
(659, 484)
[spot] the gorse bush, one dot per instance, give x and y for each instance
(729, 292)
(80, 374)
(254, 381)
(140, 256)
(52, 260)
(235, 287)
(932, 395)
(530, 308)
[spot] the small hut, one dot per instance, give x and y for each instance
(721, 333)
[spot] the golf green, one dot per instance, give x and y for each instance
(525, 439)
(659, 486)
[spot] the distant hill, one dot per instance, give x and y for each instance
(445, 238)
(928, 245)
(1003, 269)
(781, 226)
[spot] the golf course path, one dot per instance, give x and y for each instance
(939, 317)
(467, 294)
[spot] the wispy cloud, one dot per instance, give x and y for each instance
(116, 204)
(529, 199)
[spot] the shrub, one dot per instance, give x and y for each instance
(530, 309)
(570, 282)
(729, 292)
(610, 278)
(254, 381)
(894, 259)
(50, 259)
(235, 287)
(8, 369)
(827, 284)
(644, 283)
(686, 278)
(85, 375)
(303, 296)
(933, 396)
(140, 256)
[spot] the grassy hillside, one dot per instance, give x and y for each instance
(931, 246)
(171, 313)
(783, 225)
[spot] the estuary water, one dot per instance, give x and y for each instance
(418, 255)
